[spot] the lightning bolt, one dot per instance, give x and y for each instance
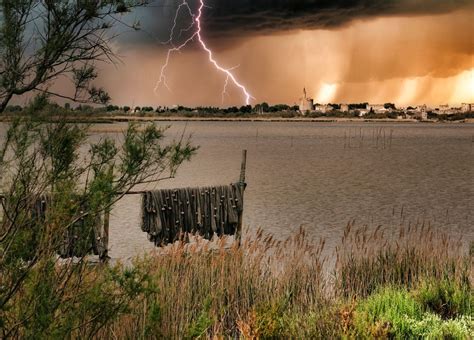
(224, 90)
(226, 83)
(175, 22)
(197, 34)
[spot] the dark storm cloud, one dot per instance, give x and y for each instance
(240, 18)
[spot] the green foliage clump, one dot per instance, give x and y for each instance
(199, 327)
(271, 320)
(386, 313)
(446, 298)
(424, 313)
(432, 326)
(53, 163)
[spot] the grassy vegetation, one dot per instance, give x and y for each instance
(417, 284)
(410, 282)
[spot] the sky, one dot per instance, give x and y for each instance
(409, 52)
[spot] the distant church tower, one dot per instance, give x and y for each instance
(306, 104)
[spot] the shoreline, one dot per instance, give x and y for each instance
(123, 119)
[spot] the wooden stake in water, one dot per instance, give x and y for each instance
(105, 237)
(238, 234)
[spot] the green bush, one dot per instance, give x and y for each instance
(432, 326)
(446, 298)
(199, 327)
(387, 313)
(399, 314)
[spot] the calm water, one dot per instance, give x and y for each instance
(322, 175)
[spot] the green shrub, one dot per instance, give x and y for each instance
(204, 321)
(399, 314)
(446, 298)
(271, 321)
(432, 326)
(387, 313)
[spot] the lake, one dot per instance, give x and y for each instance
(320, 176)
(323, 175)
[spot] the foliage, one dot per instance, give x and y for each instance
(367, 259)
(432, 326)
(44, 40)
(394, 313)
(386, 313)
(266, 288)
(54, 162)
(206, 290)
(446, 298)
(201, 325)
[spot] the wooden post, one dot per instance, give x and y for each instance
(105, 237)
(242, 184)
(2, 197)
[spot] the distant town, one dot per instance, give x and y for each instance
(306, 108)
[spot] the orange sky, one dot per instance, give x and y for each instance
(406, 60)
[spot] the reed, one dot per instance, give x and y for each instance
(370, 258)
(214, 290)
(377, 138)
(271, 288)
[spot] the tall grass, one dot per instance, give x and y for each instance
(367, 259)
(269, 288)
(217, 291)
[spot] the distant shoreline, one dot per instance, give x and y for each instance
(276, 119)
(123, 119)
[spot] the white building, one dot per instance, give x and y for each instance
(344, 108)
(422, 112)
(444, 109)
(377, 108)
(467, 107)
(323, 108)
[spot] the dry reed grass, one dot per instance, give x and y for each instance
(221, 287)
(266, 285)
(370, 258)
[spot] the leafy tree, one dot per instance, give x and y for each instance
(232, 109)
(43, 40)
(39, 294)
(358, 106)
(112, 108)
(246, 109)
(45, 160)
